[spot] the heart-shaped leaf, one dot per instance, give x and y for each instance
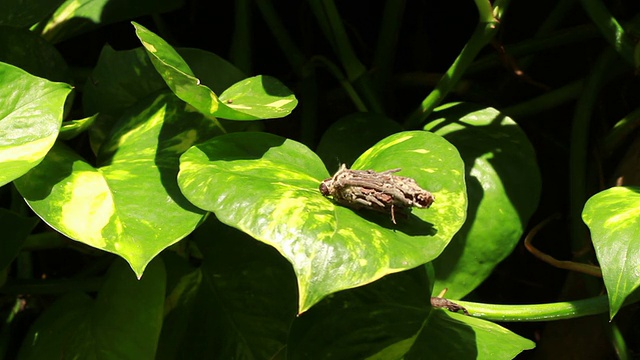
(131, 206)
(259, 97)
(267, 186)
(613, 217)
(31, 111)
(503, 184)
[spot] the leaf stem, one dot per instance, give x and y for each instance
(240, 52)
(538, 312)
(293, 54)
(344, 82)
(621, 130)
(610, 28)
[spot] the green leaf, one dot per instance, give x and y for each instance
(613, 217)
(267, 186)
(119, 80)
(73, 128)
(449, 335)
(130, 206)
(24, 13)
(16, 228)
(31, 111)
(123, 322)
(75, 17)
(379, 318)
(212, 70)
(244, 305)
(33, 54)
(503, 184)
(339, 146)
(176, 73)
(259, 97)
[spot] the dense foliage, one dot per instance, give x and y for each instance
(160, 164)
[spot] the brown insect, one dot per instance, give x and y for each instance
(379, 191)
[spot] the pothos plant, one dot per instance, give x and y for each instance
(230, 248)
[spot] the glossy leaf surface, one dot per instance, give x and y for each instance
(31, 112)
(259, 97)
(503, 183)
(267, 186)
(613, 217)
(131, 205)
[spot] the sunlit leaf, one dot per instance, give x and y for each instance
(31, 111)
(267, 186)
(130, 205)
(613, 217)
(259, 97)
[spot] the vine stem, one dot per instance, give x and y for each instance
(538, 312)
(482, 35)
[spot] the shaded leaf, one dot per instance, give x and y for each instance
(449, 335)
(503, 183)
(267, 186)
(131, 205)
(24, 13)
(339, 146)
(119, 80)
(74, 17)
(245, 303)
(123, 322)
(30, 52)
(613, 217)
(31, 111)
(379, 318)
(16, 228)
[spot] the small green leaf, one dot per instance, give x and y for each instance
(31, 111)
(176, 73)
(267, 186)
(613, 217)
(503, 183)
(123, 322)
(258, 97)
(130, 206)
(73, 128)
